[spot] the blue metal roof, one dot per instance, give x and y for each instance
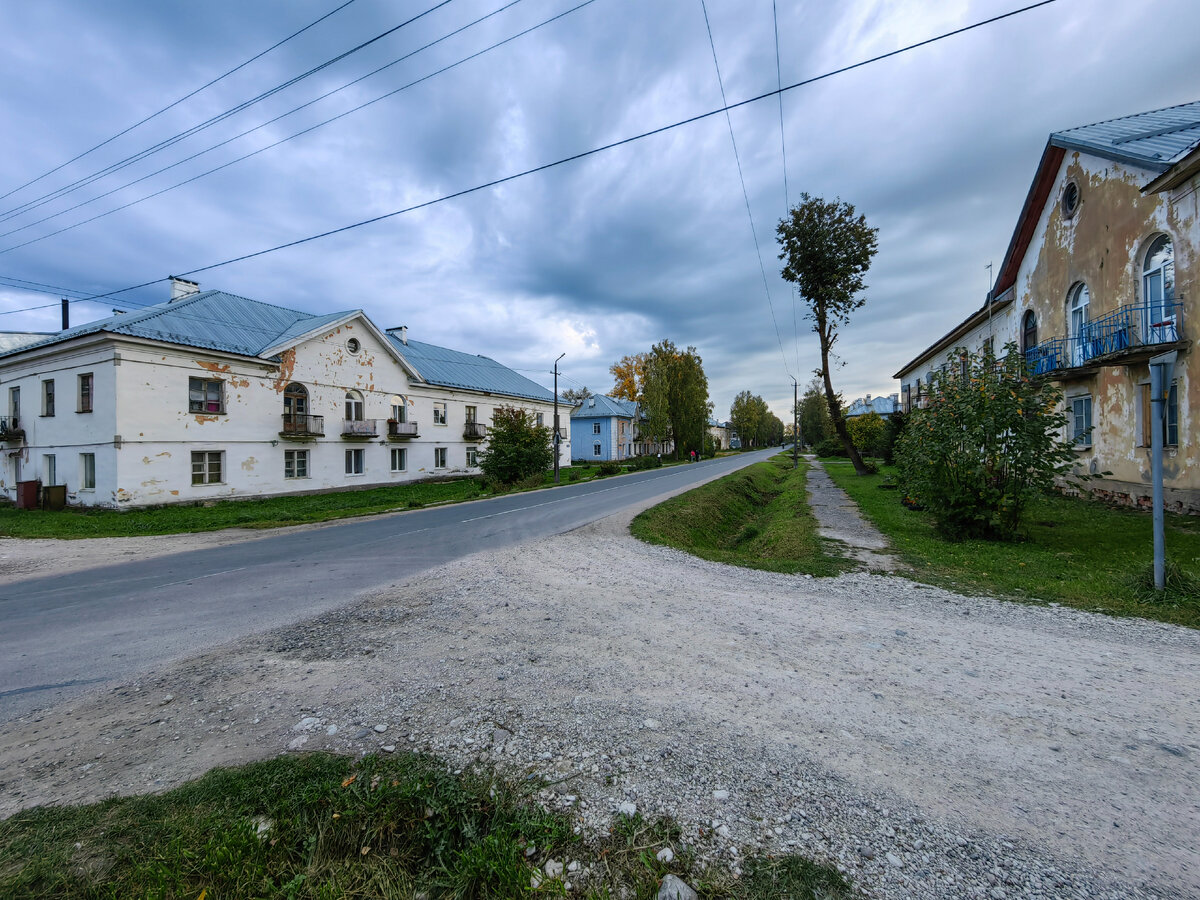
(211, 320)
(602, 406)
(1155, 140)
(455, 369)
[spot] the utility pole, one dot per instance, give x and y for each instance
(795, 423)
(557, 433)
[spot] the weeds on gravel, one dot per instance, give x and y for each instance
(1075, 552)
(757, 517)
(324, 826)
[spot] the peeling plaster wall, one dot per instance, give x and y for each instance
(1103, 245)
(68, 433)
(143, 434)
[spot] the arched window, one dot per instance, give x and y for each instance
(354, 406)
(1158, 292)
(295, 400)
(1028, 332)
(399, 408)
(1078, 301)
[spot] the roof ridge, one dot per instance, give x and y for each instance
(1146, 112)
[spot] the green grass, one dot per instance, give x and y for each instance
(270, 512)
(756, 517)
(1076, 552)
(324, 826)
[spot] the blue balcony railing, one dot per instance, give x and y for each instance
(1126, 328)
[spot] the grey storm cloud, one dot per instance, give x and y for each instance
(601, 257)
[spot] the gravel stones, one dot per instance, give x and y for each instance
(673, 888)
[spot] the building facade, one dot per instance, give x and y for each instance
(213, 396)
(602, 428)
(1099, 277)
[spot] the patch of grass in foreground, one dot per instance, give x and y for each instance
(756, 517)
(270, 512)
(1077, 552)
(323, 826)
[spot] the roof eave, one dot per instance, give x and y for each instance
(954, 334)
(1142, 162)
(1187, 167)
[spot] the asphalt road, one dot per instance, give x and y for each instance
(63, 634)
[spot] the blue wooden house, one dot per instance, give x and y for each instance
(602, 428)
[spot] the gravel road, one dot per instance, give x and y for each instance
(930, 744)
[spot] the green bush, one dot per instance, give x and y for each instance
(988, 443)
(516, 447)
(830, 447)
(869, 432)
(608, 467)
(646, 461)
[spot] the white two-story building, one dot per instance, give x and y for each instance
(213, 396)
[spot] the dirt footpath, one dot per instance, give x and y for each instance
(932, 745)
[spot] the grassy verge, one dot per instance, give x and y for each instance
(318, 826)
(1076, 552)
(757, 517)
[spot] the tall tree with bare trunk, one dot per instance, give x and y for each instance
(826, 252)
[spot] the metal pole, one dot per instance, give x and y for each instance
(795, 424)
(1161, 369)
(557, 433)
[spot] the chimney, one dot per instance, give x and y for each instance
(66, 313)
(181, 287)
(404, 335)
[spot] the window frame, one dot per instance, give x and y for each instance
(595, 428)
(295, 464)
(439, 412)
(87, 471)
(596, 449)
(1080, 421)
(50, 468)
(439, 458)
(48, 398)
(472, 457)
(1170, 421)
(356, 462)
(204, 475)
(400, 453)
(355, 406)
(86, 387)
(202, 386)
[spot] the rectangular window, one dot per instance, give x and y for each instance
(596, 449)
(295, 463)
(595, 428)
(354, 462)
(14, 402)
(541, 419)
(1081, 421)
(399, 459)
(48, 397)
(439, 457)
(207, 466)
(472, 457)
(50, 468)
(472, 414)
(439, 414)
(85, 393)
(205, 395)
(1170, 426)
(400, 412)
(87, 471)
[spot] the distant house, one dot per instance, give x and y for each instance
(721, 432)
(212, 396)
(602, 428)
(884, 407)
(1101, 274)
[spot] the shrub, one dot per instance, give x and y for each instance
(516, 447)
(830, 447)
(986, 445)
(895, 427)
(646, 461)
(608, 467)
(868, 433)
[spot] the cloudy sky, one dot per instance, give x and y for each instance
(596, 258)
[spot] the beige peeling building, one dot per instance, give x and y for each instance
(1101, 274)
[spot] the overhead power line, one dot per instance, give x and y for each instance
(574, 157)
(745, 194)
(787, 200)
(290, 137)
(208, 123)
(175, 103)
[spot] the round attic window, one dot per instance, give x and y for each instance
(1070, 199)
(353, 345)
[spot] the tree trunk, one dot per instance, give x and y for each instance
(835, 410)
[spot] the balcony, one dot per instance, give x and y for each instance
(299, 427)
(401, 431)
(474, 431)
(360, 429)
(1128, 334)
(10, 429)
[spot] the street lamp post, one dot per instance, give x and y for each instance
(557, 433)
